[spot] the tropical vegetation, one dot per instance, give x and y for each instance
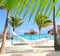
(14, 23)
(13, 7)
(42, 21)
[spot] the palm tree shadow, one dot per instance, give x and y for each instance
(17, 54)
(51, 52)
(43, 46)
(54, 53)
(11, 50)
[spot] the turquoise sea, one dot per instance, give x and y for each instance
(35, 37)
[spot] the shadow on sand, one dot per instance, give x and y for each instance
(17, 52)
(50, 51)
(54, 53)
(43, 46)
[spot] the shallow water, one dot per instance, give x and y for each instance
(35, 37)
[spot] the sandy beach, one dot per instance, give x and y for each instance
(45, 49)
(29, 27)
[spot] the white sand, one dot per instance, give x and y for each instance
(45, 49)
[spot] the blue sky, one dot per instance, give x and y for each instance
(26, 26)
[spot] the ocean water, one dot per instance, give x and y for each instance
(35, 37)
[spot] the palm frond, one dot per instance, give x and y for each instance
(1, 1)
(25, 4)
(28, 8)
(15, 21)
(49, 21)
(19, 7)
(16, 5)
(9, 4)
(42, 21)
(34, 8)
(58, 11)
(19, 24)
(58, 14)
(53, 5)
(43, 6)
(48, 6)
(39, 8)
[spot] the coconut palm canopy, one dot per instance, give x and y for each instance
(42, 21)
(32, 32)
(15, 22)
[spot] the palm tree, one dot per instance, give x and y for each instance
(42, 21)
(44, 7)
(15, 22)
(56, 42)
(18, 6)
(10, 6)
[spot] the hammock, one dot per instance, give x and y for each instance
(23, 40)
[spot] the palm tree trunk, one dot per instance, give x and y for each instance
(39, 32)
(56, 45)
(12, 36)
(4, 36)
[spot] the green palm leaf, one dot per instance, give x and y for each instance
(48, 6)
(58, 10)
(19, 6)
(17, 2)
(43, 6)
(58, 14)
(1, 1)
(38, 10)
(28, 8)
(52, 7)
(25, 3)
(2, 4)
(34, 8)
(41, 3)
(19, 24)
(9, 4)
